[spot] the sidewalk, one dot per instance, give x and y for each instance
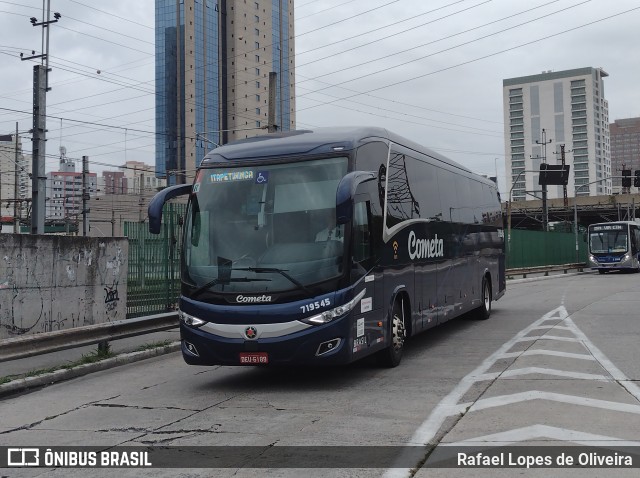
(124, 351)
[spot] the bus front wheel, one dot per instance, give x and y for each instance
(392, 355)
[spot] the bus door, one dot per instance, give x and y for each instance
(634, 237)
(369, 324)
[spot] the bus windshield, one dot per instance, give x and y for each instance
(263, 228)
(602, 242)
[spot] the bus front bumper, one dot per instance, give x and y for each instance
(314, 346)
(612, 263)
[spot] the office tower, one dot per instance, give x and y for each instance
(213, 61)
(625, 147)
(544, 111)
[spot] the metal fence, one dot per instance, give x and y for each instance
(538, 248)
(153, 284)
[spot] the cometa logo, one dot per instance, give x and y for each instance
(253, 299)
(425, 248)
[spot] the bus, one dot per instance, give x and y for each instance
(614, 246)
(330, 245)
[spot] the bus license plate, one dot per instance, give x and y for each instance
(254, 358)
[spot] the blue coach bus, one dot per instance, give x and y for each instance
(614, 246)
(326, 246)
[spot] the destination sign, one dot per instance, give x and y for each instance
(608, 227)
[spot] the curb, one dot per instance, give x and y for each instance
(537, 278)
(25, 384)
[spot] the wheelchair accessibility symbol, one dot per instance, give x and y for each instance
(262, 177)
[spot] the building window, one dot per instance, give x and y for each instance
(257, 97)
(257, 111)
(257, 124)
(258, 58)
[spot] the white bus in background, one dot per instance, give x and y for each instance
(614, 246)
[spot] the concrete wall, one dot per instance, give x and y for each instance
(59, 282)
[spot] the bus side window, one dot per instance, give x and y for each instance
(361, 234)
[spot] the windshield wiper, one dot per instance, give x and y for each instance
(282, 272)
(217, 281)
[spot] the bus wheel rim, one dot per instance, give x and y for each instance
(485, 293)
(398, 331)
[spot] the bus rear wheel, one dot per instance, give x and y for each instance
(392, 355)
(484, 311)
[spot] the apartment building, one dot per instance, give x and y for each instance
(544, 111)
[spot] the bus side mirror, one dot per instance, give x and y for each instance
(157, 203)
(346, 192)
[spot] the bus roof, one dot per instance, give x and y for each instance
(316, 141)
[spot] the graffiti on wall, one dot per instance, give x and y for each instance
(52, 283)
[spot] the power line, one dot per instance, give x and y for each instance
(413, 60)
(483, 57)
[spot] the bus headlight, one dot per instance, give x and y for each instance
(593, 259)
(190, 319)
(329, 315)
(626, 258)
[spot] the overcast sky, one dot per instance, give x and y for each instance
(429, 70)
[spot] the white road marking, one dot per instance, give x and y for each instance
(502, 400)
(615, 372)
(551, 371)
(553, 353)
(450, 406)
(548, 337)
(554, 327)
(536, 432)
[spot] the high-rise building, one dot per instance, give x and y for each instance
(213, 60)
(15, 181)
(625, 147)
(141, 177)
(544, 111)
(65, 191)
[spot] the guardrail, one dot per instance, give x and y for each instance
(30, 345)
(523, 271)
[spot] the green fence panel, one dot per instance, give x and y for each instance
(153, 283)
(538, 248)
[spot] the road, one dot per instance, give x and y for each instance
(557, 362)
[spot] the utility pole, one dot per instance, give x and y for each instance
(564, 186)
(272, 127)
(38, 175)
(545, 210)
(85, 194)
(40, 88)
(16, 221)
